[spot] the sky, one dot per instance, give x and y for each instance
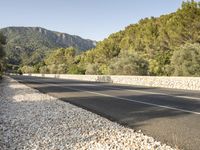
(90, 19)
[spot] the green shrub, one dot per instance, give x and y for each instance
(129, 65)
(74, 69)
(44, 69)
(92, 69)
(28, 69)
(186, 60)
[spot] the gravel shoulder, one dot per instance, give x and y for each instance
(32, 120)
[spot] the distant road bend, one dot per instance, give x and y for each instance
(169, 115)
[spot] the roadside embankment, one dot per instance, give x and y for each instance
(32, 120)
(186, 83)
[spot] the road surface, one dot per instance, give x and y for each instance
(169, 115)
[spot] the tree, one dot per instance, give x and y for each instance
(2, 53)
(59, 60)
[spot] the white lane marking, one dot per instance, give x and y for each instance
(131, 100)
(188, 97)
(155, 93)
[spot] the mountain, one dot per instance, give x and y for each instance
(30, 44)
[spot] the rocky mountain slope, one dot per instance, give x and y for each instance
(26, 42)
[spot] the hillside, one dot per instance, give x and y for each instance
(28, 45)
(167, 45)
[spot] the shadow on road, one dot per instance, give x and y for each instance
(176, 128)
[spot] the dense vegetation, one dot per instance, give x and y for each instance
(168, 45)
(29, 45)
(2, 53)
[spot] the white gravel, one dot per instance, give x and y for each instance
(32, 120)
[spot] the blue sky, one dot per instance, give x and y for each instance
(92, 19)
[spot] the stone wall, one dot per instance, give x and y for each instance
(187, 83)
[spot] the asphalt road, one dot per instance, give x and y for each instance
(170, 116)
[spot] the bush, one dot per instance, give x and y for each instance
(129, 65)
(19, 71)
(186, 60)
(0, 76)
(74, 69)
(92, 69)
(52, 68)
(61, 69)
(44, 69)
(28, 69)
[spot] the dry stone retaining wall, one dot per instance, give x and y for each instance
(187, 83)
